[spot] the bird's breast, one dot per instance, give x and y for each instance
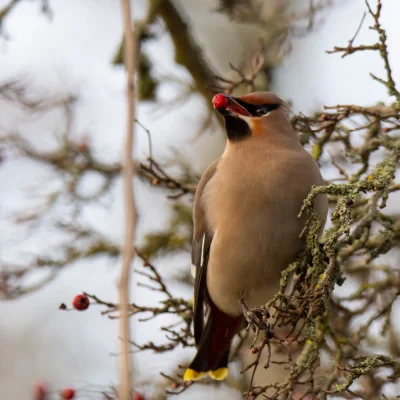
(243, 198)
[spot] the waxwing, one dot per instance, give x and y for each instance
(246, 225)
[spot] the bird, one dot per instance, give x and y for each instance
(245, 222)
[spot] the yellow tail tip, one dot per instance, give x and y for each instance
(192, 375)
(219, 374)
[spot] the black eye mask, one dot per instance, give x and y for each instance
(257, 110)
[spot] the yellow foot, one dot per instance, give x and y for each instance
(219, 374)
(192, 375)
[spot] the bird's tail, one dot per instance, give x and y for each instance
(214, 345)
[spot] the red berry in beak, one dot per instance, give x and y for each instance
(80, 302)
(220, 101)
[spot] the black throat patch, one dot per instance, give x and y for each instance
(236, 128)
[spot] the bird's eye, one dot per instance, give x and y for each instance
(262, 111)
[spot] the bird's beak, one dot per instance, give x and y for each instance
(226, 104)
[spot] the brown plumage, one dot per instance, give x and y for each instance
(246, 229)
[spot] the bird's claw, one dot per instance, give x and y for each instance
(257, 318)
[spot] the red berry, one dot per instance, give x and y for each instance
(40, 391)
(137, 396)
(220, 101)
(80, 302)
(82, 144)
(68, 393)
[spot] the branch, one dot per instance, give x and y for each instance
(367, 364)
(187, 51)
(157, 176)
(390, 84)
(257, 64)
(125, 390)
(381, 46)
(7, 9)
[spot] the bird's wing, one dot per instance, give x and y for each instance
(202, 237)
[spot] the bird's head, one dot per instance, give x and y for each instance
(253, 115)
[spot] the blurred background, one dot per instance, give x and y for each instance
(62, 103)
